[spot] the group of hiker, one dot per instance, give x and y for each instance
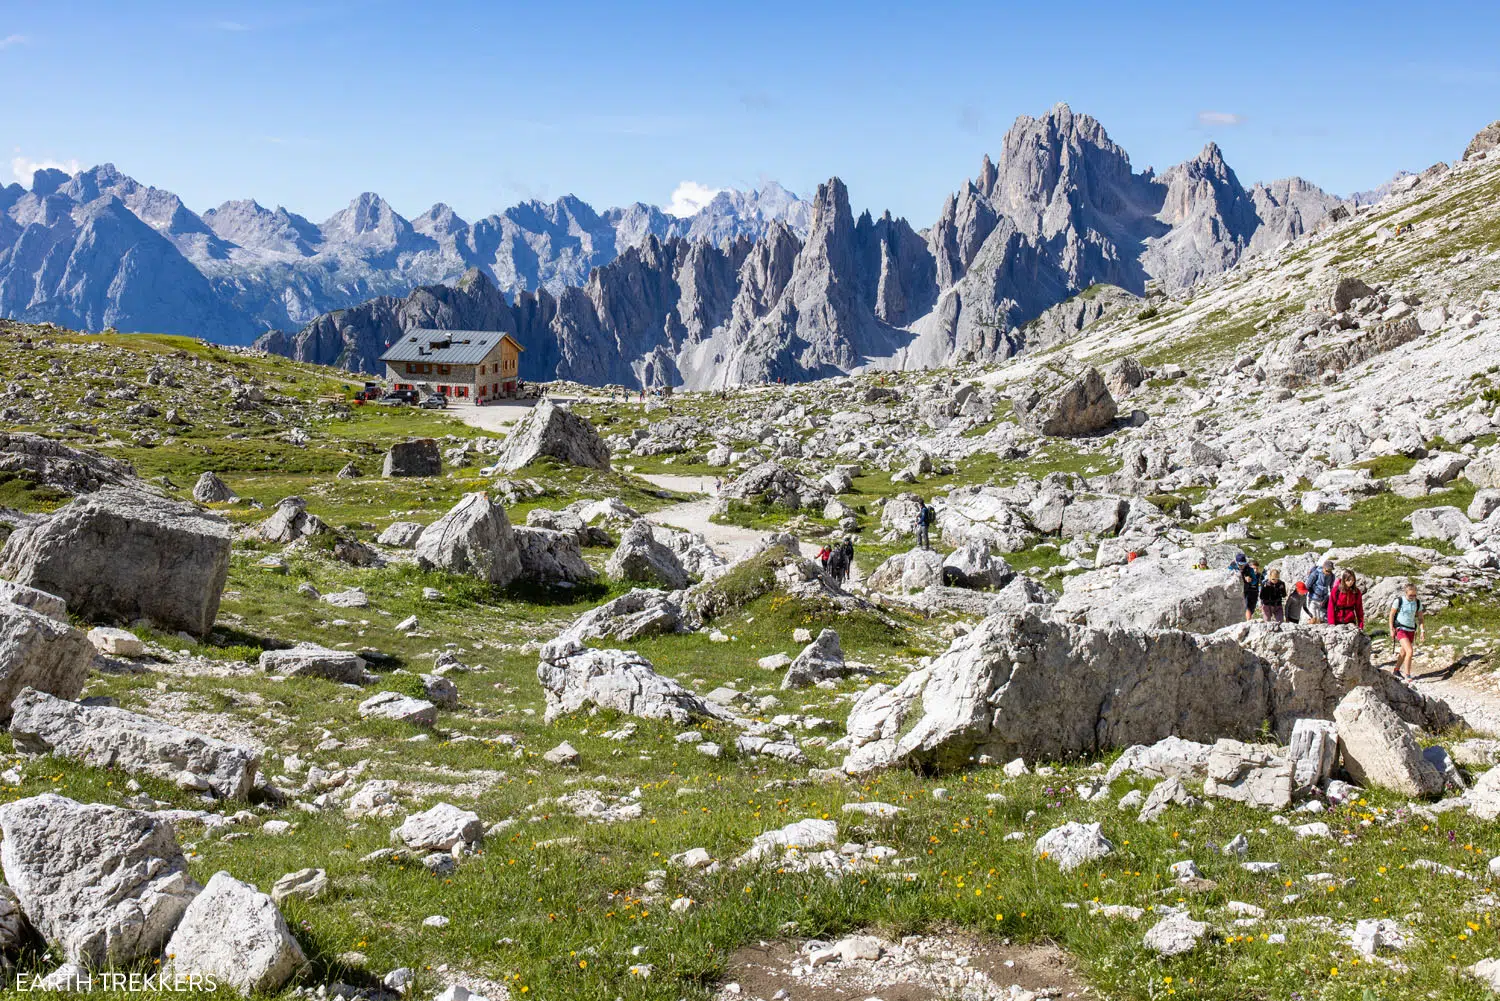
(837, 560)
(1327, 597)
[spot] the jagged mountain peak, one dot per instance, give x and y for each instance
(248, 224)
(47, 180)
(439, 221)
(369, 222)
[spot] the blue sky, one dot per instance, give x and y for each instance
(485, 104)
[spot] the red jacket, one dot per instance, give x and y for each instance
(1346, 608)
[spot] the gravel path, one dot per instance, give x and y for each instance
(729, 541)
(1480, 708)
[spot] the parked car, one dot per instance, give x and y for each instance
(398, 396)
(437, 401)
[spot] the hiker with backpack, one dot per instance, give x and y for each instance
(1408, 623)
(847, 548)
(1320, 581)
(1346, 602)
(823, 555)
(1249, 571)
(1273, 597)
(924, 520)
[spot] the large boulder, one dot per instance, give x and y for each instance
(549, 557)
(573, 677)
(693, 551)
(102, 885)
(639, 612)
(551, 430)
(1256, 774)
(820, 660)
(1078, 407)
(418, 457)
(309, 660)
(106, 737)
(37, 651)
(474, 538)
(639, 557)
(973, 565)
(989, 516)
(399, 708)
(122, 555)
(211, 490)
(290, 522)
(1023, 685)
(1447, 523)
(1124, 376)
(1093, 516)
(915, 570)
(1153, 593)
(1379, 750)
(440, 829)
(772, 483)
(233, 934)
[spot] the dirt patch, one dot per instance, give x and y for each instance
(917, 968)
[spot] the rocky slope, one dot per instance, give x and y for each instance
(100, 250)
(1061, 210)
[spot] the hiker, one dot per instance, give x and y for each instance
(1346, 602)
(924, 520)
(1249, 572)
(836, 565)
(1408, 623)
(1319, 583)
(823, 555)
(1296, 603)
(1273, 597)
(848, 550)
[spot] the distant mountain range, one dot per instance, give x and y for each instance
(99, 249)
(756, 285)
(1061, 209)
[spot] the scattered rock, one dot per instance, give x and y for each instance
(234, 934)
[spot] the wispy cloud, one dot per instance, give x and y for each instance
(231, 26)
(10, 40)
(689, 198)
(23, 167)
(1219, 119)
(970, 120)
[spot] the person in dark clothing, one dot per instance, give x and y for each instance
(924, 523)
(838, 567)
(1296, 603)
(847, 562)
(1273, 597)
(1250, 579)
